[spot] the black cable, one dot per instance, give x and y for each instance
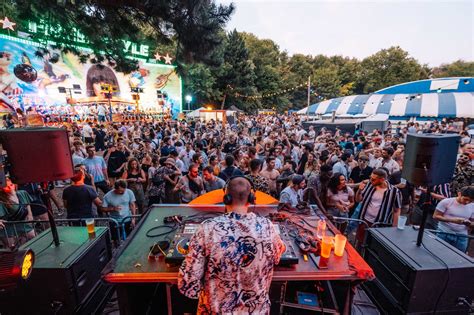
(447, 280)
(171, 228)
(196, 218)
(216, 213)
(200, 217)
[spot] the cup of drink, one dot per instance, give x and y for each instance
(326, 244)
(90, 226)
(321, 229)
(339, 244)
(402, 220)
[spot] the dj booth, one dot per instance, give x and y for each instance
(145, 279)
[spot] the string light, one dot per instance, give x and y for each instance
(267, 95)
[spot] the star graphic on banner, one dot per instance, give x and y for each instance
(7, 24)
(167, 59)
(158, 56)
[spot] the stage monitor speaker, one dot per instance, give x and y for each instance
(436, 152)
(415, 280)
(65, 279)
(37, 154)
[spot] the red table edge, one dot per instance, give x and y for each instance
(117, 278)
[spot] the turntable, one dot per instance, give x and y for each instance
(179, 247)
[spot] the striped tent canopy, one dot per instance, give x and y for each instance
(453, 104)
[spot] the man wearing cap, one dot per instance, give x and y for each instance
(293, 194)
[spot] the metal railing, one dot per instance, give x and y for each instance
(123, 224)
(17, 232)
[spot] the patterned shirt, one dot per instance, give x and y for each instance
(260, 183)
(391, 200)
(463, 176)
(229, 266)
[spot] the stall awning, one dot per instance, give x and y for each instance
(459, 105)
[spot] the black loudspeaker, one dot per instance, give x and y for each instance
(37, 154)
(410, 280)
(430, 158)
(65, 279)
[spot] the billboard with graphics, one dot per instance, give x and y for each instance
(69, 78)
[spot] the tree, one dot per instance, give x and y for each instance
(199, 82)
(267, 59)
(327, 81)
(296, 71)
(459, 68)
(236, 77)
(192, 25)
(389, 67)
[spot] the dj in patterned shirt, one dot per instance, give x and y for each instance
(230, 262)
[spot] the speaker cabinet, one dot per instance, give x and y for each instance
(37, 154)
(65, 279)
(410, 280)
(430, 158)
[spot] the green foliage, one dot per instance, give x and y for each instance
(458, 68)
(327, 81)
(216, 67)
(389, 67)
(236, 74)
(192, 26)
(199, 81)
(257, 67)
(267, 60)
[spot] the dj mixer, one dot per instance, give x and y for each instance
(179, 246)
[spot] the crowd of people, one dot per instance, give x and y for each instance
(123, 168)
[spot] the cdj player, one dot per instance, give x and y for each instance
(179, 247)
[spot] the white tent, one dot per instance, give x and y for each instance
(302, 111)
(194, 113)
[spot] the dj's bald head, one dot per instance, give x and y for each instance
(239, 188)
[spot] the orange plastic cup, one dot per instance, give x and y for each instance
(326, 245)
(339, 244)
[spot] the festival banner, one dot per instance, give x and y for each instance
(67, 80)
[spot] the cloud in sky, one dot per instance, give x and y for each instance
(433, 32)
